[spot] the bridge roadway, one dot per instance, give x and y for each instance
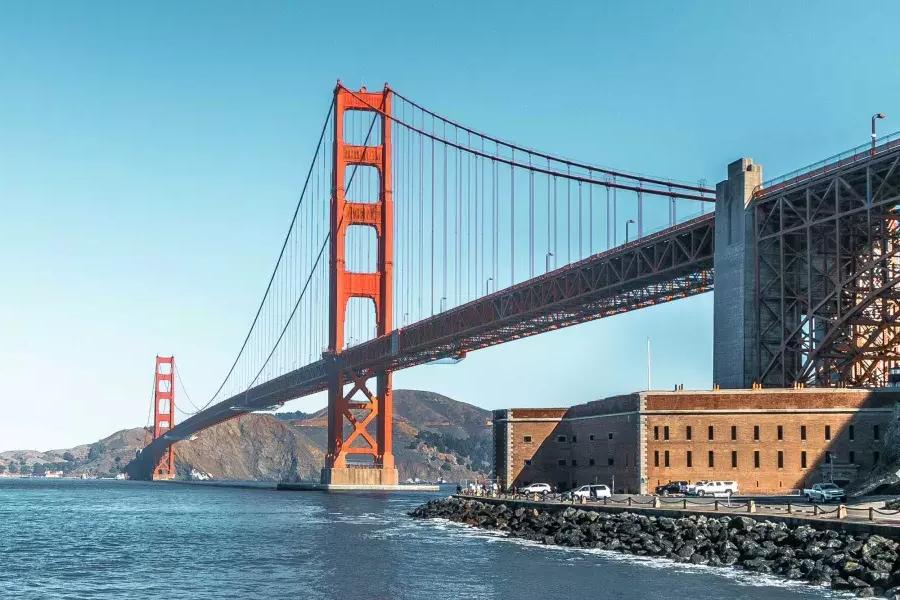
(674, 263)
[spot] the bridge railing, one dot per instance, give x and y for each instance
(832, 163)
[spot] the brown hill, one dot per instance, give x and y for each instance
(434, 436)
(105, 457)
(251, 447)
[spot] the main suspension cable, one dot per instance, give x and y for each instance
(309, 278)
(549, 171)
(278, 262)
(563, 161)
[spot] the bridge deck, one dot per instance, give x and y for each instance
(674, 263)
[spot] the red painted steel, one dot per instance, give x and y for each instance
(672, 264)
(357, 410)
(164, 412)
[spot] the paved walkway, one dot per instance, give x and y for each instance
(863, 510)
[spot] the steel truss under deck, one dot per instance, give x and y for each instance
(827, 275)
(674, 263)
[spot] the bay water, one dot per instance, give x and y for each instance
(124, 539)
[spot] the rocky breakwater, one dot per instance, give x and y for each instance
(867, 565)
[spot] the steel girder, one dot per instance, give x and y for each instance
(827, 274)
(674, 263)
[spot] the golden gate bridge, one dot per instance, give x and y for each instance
(416, 238)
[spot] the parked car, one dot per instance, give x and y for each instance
(825, 492)
(716, 488)
(672, 488)
(537, 488)
(691, 488)
(592, 491)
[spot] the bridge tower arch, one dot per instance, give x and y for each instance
(164, 412)
(353, 413)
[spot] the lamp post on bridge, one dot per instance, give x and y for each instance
(487, 285)
(547, 261)
(627, 223)
(875, 117)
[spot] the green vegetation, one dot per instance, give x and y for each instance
(95, 451)
(296, 415)
(40, 469)
(478, 451)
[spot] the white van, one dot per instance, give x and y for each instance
(592, 491)
(716, 488)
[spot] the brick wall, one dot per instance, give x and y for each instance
(569, 447)
(526, 432)
(746, 441)
(591, 443)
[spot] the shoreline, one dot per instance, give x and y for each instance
(863, 564)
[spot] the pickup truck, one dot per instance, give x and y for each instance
(824, 492)
(672, 488)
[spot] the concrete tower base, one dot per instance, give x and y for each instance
(372, 478)
(358, 480)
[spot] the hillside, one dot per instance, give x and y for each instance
(104, 457)
(434, 436)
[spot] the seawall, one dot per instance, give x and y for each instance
(858, 561)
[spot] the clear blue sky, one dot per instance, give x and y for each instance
(151, 155)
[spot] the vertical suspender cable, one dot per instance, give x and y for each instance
(591, 218)
(549, 224)
(580, 225)
(615, 216)
(568, 217)
(608, 222)
(444, 258)
(471, 239)
(458, 221)
(432, 217)
(512, 221)
(530, 220)
(555, 224)
(421, 220)
(640, 219)
(262, 303)
(495, 219)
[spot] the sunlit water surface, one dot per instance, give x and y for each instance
(120, 539)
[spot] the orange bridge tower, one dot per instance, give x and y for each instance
(164, 412)
(351, 415)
